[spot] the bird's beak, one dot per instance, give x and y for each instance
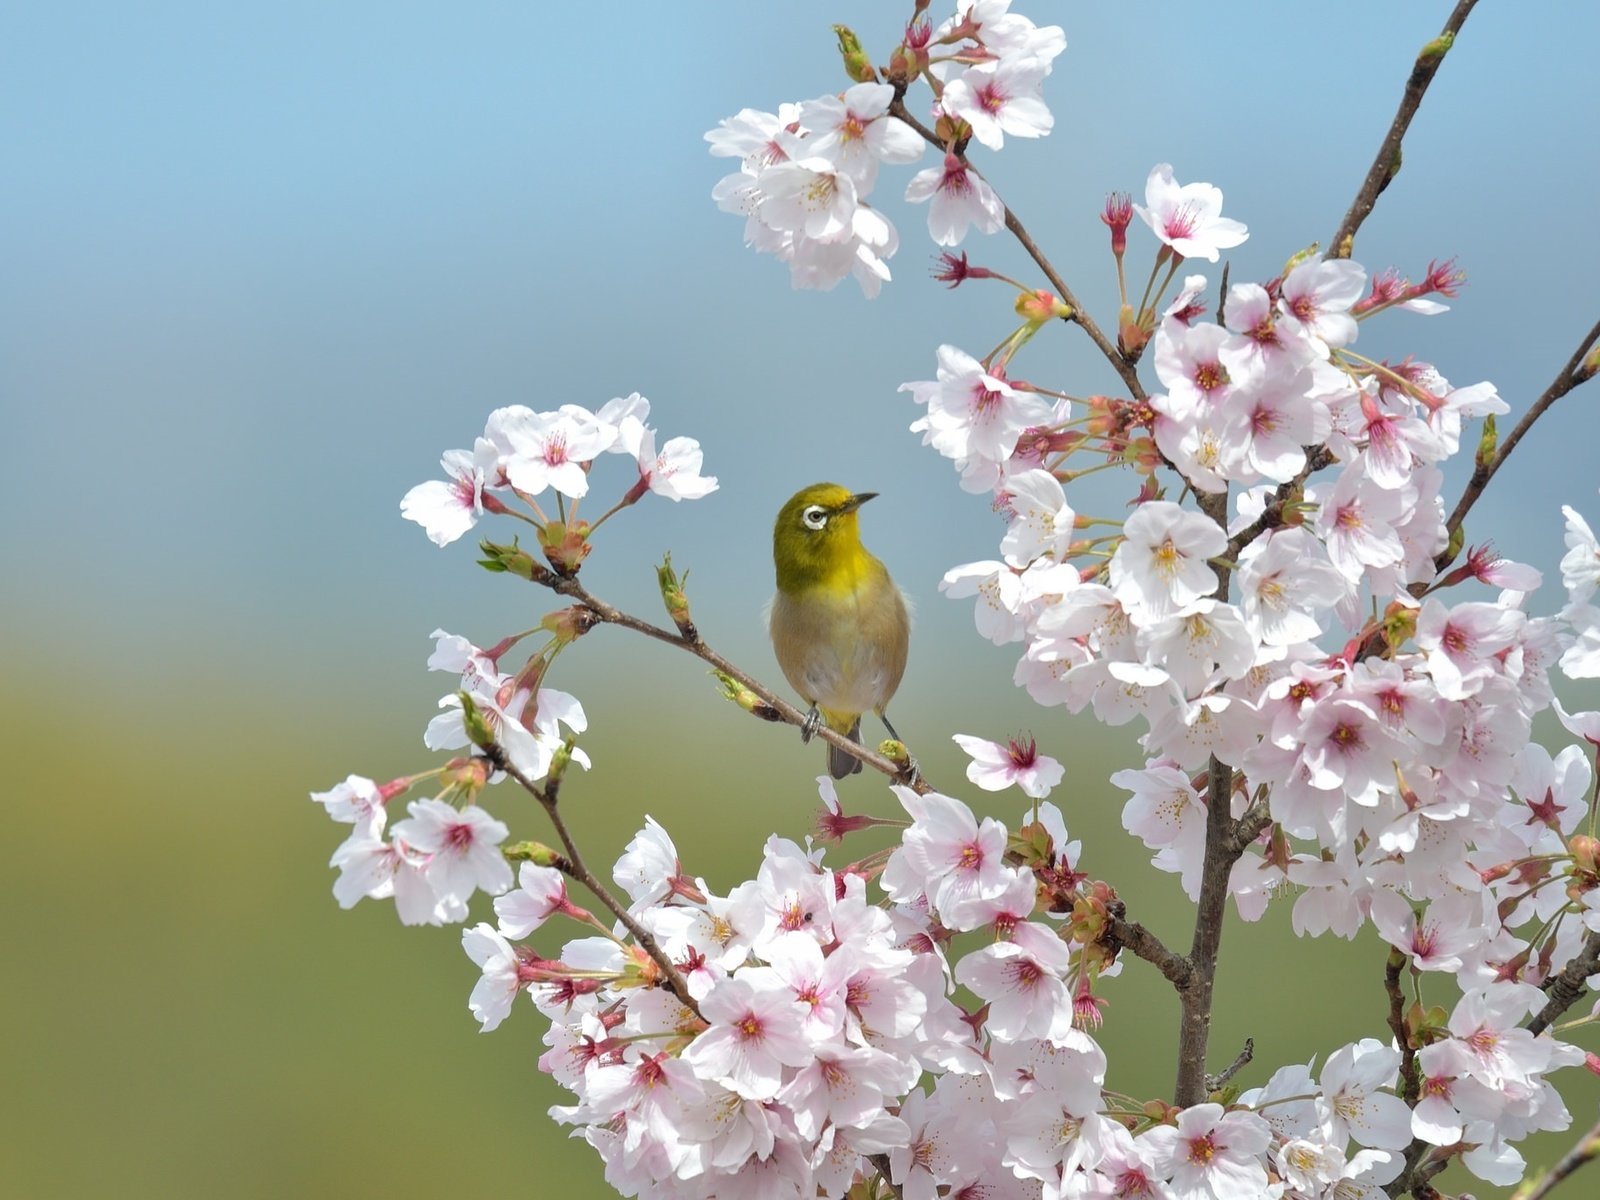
(856, 501)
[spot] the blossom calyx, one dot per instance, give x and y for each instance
(565, 544)
(567, 625)
(856, 63)
(1585, 854)
(512, 560)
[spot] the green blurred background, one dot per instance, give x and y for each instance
(263, 263)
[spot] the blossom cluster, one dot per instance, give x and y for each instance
(806, 172)
(449, 847)
(829, 1045)
(524, 453)
(1305, 644)
(1376, 725)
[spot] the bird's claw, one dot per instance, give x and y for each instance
(809, 727)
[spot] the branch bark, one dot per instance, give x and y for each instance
(1587, 1149)
(1387, 161)
(577, 869)
(1566, 989)
(778, 708)
(1126, 371)
(1570, 376)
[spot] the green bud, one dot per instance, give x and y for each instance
(512, 560)
(857, 64)
(673, 597)
(1395, 164)
(1488, 444)
(733, 690)
(1458, 539)
(895, 752)
(1590, 367)
(1296, 259)
(537, 853)
(1032, 845)
(474, 722)
(1438, 48)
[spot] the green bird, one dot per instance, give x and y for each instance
(839, 624)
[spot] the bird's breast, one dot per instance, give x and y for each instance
(842, 645)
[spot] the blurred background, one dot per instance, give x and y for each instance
(263, 263)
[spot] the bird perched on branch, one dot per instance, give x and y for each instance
(839, 624)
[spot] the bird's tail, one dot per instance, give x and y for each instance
(842, 762)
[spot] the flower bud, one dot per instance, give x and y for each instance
(746, 699)
(896, 752)
(1585, 853)
(1039, 306)
(537, 853)
(512, 560)
(676, 602)
(1438, 48)
(473, 721)
(857, 64)
(1488, 444)
(1299, 257)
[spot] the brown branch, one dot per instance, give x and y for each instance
(1410, 1078)
(1240, 1061)
(1587, 1149)
(575, 867)
(1387, 161)
(1134, 937)
(1195, 994)
(1125, 369)
(778, 708)
(1570, 376)
(1566, 988)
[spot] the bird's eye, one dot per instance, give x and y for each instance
(815, 516)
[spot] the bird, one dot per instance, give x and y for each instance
(840, 626)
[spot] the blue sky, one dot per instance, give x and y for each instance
(263, 263)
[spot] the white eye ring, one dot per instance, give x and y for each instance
(815, 516)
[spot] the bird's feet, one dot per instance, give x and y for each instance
(809, 727)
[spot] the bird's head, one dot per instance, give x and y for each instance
(817, 535)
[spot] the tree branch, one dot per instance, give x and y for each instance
(1587, 1149)
(1566, 989)
(1195, 994)
(576, 868)
(1570, 376)
(1125, 370)
(1134, 937)
(1387, 161)
(779, 709)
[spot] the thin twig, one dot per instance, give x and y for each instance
(1125, 370)
(1387, 161)
(1587, 1149)
(1566, 988)
(1138, 940)
(1410, 1079)
(1569, 377)
(575, 867)
(1217, 1081)
(779, 709)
